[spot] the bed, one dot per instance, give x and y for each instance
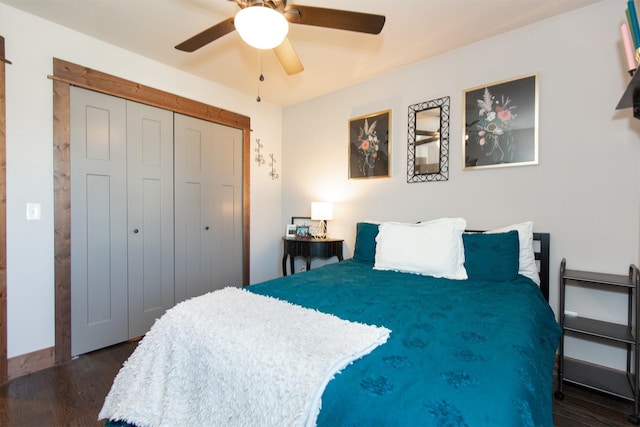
(467, 347)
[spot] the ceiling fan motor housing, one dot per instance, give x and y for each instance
(273, 4)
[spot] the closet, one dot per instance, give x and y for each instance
(156, 214)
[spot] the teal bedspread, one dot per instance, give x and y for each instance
(461, 353)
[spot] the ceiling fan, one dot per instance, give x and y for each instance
(274, 14)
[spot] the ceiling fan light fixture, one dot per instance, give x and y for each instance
(261, 27)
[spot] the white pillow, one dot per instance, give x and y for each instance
(527, 262)
(432, 248)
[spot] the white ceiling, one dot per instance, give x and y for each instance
(333, 59)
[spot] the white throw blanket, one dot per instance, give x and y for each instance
(234, 358)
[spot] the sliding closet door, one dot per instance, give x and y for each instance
(150, 214)
(208, 207)
(99, 315)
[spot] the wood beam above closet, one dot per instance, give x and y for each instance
(101, 82)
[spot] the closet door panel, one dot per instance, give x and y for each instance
(192, 276)
(150, 215)
(226, 181)
(98, 249)
(209, 219)
(98, 221)
(229, 249)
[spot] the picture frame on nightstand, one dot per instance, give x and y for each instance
(290, 230)
(301, 225)
(303, 231)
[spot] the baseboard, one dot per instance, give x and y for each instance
(31, 362)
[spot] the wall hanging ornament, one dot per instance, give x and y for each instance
(273, 173)
(259, 159)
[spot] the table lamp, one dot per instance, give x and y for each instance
(322, 211)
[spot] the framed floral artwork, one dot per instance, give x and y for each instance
(370, 145)
(501, 124)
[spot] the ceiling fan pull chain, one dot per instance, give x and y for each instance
(261, 78)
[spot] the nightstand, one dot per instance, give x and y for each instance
(309, 248)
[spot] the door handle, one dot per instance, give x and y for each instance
(135, 231)
(206, 228)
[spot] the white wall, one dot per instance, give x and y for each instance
(31, 43)
(584, 191)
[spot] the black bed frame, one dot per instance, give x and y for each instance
(542, 255)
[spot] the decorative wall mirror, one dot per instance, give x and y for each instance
(428, 141)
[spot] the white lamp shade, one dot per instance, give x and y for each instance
(261, 26)
(321, 211)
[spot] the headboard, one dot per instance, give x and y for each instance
(541, 250)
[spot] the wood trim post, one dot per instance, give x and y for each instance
(62, 219)
(3, 217)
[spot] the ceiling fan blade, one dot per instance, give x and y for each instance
(288, 57)
(334, 18)
(207, 36)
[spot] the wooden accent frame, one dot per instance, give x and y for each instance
(3, 218)
(66, 74)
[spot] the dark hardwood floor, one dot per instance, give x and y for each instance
(582, 407)
(72, 395)
(66, 395)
